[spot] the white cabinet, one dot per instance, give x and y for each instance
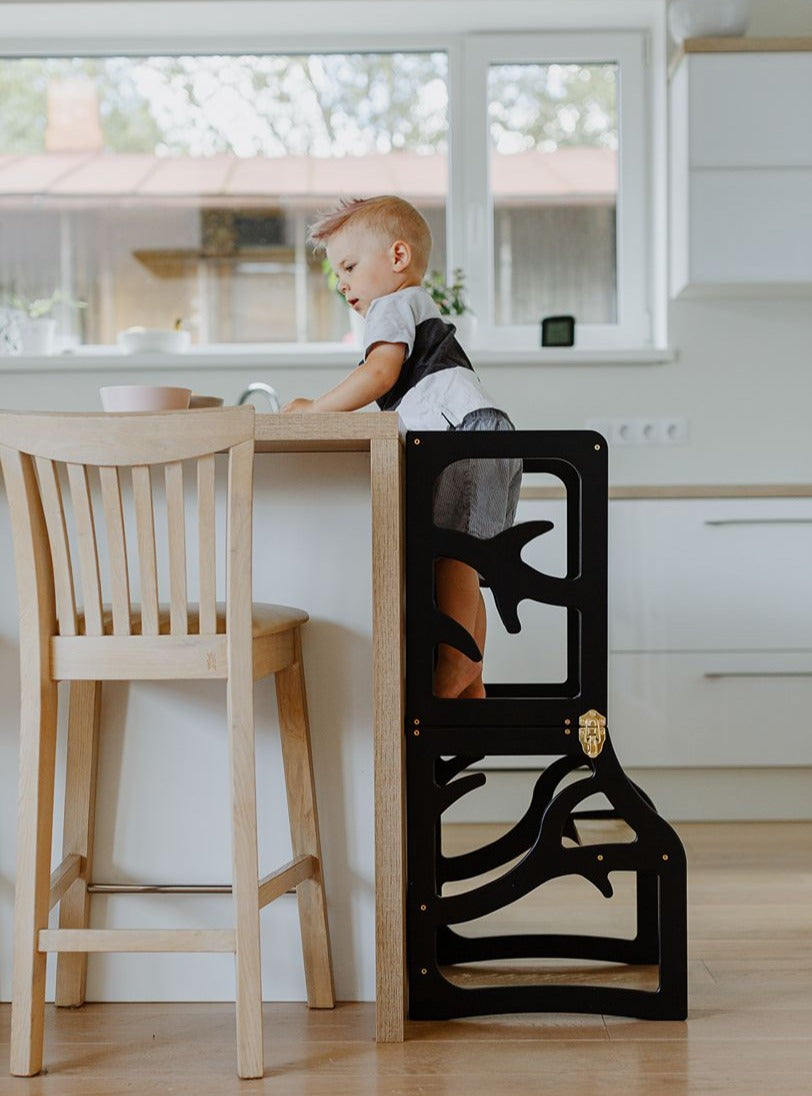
(710, 630)
(741, 173)
(710, 615)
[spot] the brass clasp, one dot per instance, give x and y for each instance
(592, 732)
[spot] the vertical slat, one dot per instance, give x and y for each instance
(117, 549)
(207, 545)
(51, 496)
(176, 525)
(86, 546)
(147, 562)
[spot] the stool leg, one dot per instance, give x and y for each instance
(78, 832)
(291, 699)
(245, 872)
(38, 712)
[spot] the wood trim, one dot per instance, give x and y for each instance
(693, 46)
(289, 875)
(153, 940)
(747, 45)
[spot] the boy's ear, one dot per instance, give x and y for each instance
(401, 254)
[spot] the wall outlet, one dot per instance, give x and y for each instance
(672, 430)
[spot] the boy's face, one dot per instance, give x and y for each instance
(367, 267)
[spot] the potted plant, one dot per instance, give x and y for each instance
(37, 327)
(452, 300)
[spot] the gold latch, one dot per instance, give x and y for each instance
(592, 732)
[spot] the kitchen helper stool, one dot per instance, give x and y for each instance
(565, 721)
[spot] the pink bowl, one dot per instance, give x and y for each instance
(144, 397)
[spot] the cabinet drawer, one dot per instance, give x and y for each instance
(710, 574)
(711, 709)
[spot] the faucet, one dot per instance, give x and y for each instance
(266, 390)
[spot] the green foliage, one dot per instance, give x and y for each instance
(37, 307)
(450, 299)
(330, 277)
(307, 104)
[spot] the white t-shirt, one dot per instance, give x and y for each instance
(437, 386)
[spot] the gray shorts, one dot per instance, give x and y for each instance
(479, 495)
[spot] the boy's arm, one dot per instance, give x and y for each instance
(366, 383)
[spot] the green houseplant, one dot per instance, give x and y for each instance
(451, 299)
(37, 328)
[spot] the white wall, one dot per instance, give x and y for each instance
(743, 377)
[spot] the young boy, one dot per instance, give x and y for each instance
(379, 248)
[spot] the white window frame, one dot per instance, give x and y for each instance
(473, 246)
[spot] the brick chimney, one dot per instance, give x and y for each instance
(73, 116)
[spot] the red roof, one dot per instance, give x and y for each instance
(574, 174)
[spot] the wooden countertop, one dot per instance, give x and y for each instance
(334, 431)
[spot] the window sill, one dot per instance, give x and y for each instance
(104, 359)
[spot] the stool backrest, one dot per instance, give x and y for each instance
(52, 463)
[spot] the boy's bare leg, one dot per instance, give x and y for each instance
(476, 690)
(458, 597)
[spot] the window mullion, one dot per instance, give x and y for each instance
(477, 231)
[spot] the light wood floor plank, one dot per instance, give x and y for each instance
(748, 1032)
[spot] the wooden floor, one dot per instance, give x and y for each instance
(749, 1032)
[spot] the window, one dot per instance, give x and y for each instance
(161, 187)
(164, 188)
(555, 196)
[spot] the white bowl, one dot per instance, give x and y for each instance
(205, 401)
(708, 18)
(153, 340)
(144, 397)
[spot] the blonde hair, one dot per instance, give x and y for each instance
(389, 217)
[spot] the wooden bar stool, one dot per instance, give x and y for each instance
(52, 464)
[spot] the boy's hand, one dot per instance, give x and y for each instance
(300, 404)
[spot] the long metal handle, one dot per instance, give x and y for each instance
(759, 521)
(758, 673)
